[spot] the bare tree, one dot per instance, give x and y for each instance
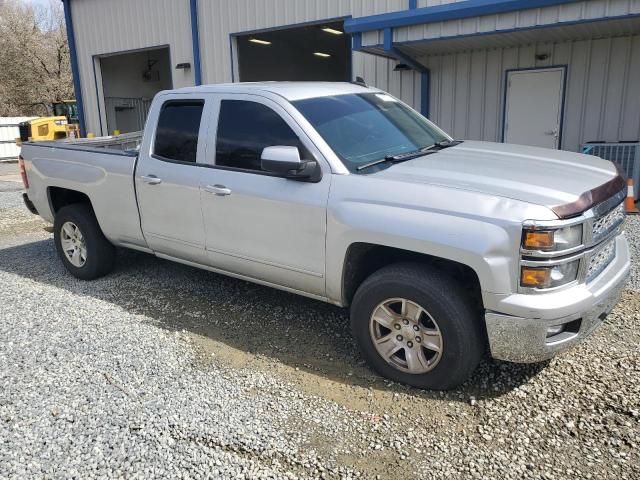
(34, 58)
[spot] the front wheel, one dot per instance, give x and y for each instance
(416, 325)
(81, 245)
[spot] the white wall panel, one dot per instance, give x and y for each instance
(602, 95)
(378, 71)
(103, 27)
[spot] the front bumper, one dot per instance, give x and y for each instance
(518, 324)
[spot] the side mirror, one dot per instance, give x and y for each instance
(286, 161)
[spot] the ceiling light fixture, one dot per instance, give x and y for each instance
(261, 42)
(320, 54)
(332, 30)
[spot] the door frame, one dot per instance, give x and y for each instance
(99, 82)
(565, 71)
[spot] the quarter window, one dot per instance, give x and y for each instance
(177, 132)
(245, 129)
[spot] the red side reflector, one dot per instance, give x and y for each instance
(23, 172)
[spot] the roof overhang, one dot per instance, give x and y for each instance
(558, 32)
(440, 13)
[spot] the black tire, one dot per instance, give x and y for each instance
(101, 254)
(450, 306)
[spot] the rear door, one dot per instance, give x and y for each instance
(260, 225)
(168, 175)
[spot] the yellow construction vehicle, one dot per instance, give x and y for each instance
(63, 125)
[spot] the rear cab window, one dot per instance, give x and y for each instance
(177, 131)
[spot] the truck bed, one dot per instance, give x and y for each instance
(124, 142)
(102, 169)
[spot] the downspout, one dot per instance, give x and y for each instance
(195, 41)
(425, 74)
(73, 58)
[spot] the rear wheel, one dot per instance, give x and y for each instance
(81, 245)
(417, 326)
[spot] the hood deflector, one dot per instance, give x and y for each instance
(590, 198)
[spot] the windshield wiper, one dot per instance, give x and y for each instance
(445, 144)
(401, 157)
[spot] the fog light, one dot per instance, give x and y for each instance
(535, 277)
(554, 330)
(549, 277)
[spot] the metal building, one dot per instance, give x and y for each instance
(555, 73)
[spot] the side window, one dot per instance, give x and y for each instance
(177, 132)
(245, 129)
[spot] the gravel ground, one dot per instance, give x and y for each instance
(161, 370)
(632, 228)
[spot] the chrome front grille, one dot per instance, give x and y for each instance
(604, 225)
(600, 259)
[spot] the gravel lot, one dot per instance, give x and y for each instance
(163, 370)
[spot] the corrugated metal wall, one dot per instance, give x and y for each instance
(602, 94)
(219, 19)
(570, 12)
(103, 27)
(111, 26)
(467, 92)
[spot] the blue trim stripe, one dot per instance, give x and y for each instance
(75, 71)
(195, 40)
(440, 13)
(356, 41)
(425, 91)
(390, 48)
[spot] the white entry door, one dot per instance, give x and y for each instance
(533, 110)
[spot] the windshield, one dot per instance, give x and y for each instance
(367, 127)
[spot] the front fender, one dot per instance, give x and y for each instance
(475, 230)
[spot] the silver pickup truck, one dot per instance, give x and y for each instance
(442, 249)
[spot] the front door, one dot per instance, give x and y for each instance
(259, 225)
(533, 110)
(167, 181)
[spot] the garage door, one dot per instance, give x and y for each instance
(311, 52)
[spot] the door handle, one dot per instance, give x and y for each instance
(553, 132)
(219, 190)
(151, 179)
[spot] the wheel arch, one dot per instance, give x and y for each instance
(60, 197)
(362, 259)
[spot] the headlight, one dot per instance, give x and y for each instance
(552, 240)
(549, 277)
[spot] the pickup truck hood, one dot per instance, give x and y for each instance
(530, 174)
